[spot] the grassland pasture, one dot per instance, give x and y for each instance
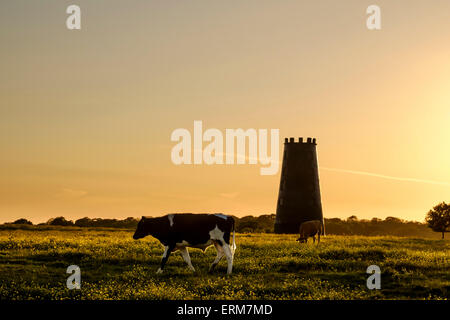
(267, 266)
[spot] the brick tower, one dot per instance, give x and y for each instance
(299, 194)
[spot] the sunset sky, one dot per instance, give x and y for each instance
(86, 115)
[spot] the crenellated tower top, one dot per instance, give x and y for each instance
(300, 140)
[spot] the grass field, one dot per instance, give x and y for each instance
(113, 266)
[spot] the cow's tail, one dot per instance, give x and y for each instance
(233, 246)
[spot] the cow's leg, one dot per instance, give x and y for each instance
(165, 257)
(314, 238)
(185, 254)
(220, 254)
(229, 255)
(303, 238)
(318, 238)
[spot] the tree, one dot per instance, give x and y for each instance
(393, 220)
(438, 218)
(83, 222)
(22, 221)
(60, 221)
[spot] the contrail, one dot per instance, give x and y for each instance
(442, 183)
(363, 173)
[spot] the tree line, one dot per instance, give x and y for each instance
(265, 224)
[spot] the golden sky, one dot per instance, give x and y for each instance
(86, 115)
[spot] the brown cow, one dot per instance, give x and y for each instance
(310, 229)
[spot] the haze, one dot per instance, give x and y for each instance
(86, 116)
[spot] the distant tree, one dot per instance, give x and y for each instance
(393, 220)
(247, 224)
(352, 219)
(438, 218)
(83, 222)
(23, 221)
(129, 222)
(262, 223)
(60, 221)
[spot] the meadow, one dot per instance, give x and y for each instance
(33, 265)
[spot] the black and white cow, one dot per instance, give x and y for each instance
(183, 230)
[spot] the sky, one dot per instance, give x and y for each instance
(86, 115)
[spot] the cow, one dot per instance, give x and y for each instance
(183, 230)
(310, 229)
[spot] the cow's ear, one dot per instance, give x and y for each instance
(143, 218)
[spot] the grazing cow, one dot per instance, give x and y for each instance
(180, 231)
(310, 229)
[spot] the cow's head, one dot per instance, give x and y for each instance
(302, 240)
(143, 228)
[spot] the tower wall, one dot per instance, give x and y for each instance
(299, 193)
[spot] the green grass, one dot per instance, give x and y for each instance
(113, 266)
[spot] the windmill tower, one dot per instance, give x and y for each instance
(299, 194)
